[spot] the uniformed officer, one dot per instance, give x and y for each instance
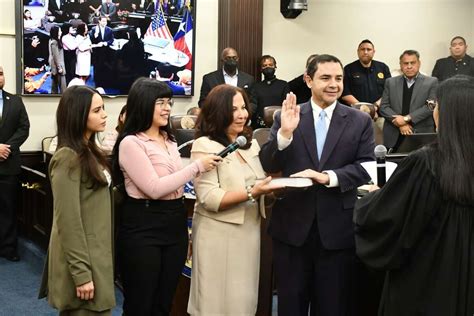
(459, 63)
(364, 78)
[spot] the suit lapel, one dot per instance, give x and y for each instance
(336, 127)
(6, 107)
(247, 156)
(307, 131)
(220, 77)
(416, 89)
(399, 93)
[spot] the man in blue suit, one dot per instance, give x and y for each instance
(103, 37)
(312, 231)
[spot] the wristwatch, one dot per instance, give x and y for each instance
(407, 118)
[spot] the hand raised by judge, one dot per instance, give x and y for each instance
(317, 177)
(290, 115)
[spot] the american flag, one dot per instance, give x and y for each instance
(158, 27)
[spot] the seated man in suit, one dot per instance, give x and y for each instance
(102, 35)
(229, 74)
(14, 130)
(458, 63)
(403, 101)
(109, 10)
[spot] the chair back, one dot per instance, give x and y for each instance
(261, 135)
(182, 121)
(269, 114)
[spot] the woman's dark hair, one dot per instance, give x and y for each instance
(121, 123)
(81, 29)
(71, 119)
(456, 138)
(217, 114)
(54, 34)
(24, 15)
(140, 110)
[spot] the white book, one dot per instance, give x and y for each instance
(291, 182)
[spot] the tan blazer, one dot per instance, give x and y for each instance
(80, 247)
(211, 186)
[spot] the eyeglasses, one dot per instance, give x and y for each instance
(431, 104)
(164, 102)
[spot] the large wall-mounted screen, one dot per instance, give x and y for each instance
(105, 44)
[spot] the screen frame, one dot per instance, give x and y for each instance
(19, 46)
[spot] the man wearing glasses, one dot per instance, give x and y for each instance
(229, 74)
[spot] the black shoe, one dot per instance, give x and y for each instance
(12, 257)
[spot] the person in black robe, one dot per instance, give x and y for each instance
(420, 226)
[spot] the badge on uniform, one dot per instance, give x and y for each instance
(380, 75)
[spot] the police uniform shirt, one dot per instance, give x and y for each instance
(448, 67)
(365, 84)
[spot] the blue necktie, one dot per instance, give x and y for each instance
(321, 132)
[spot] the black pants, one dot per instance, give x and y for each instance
(152, 248)
(9, 190)
(312, 277)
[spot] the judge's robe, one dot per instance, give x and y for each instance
(424, 241)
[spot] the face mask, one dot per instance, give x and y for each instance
(230, 65)
(268, 72)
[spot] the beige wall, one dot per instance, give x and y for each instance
(41, 110)
(329, 26)
(337, 26)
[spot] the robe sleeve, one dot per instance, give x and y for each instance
(389, 222)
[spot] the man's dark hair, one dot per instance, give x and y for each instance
(366, 41)
(410, 52)
(310, 58)
(455, 137)
(265, 57)
(458, 37)
(321, 59)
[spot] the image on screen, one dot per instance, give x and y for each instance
(106, 44)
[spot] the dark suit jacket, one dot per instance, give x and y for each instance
(392, 102)
(349, 142)
(215, 78)
(14, 130)
(108, 36)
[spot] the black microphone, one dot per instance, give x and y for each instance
(239, 142)
(380, 152)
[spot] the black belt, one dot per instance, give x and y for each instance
(161, 203)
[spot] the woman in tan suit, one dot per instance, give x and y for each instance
(229, 204)
(78, 276)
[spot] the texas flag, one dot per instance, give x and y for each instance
(183, 39)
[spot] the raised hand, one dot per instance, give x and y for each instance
(290, 115)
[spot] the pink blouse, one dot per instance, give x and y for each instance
(151, 172)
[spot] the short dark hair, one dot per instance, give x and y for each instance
(310, 58)
(410, 52)
(71, 120)
(265, 57)
(366, 41)
(455, 137)
(217, 114)
(458, 37)
(321, 59)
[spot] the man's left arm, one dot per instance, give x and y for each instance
(354, 175)
(423, 112)
(23, 127)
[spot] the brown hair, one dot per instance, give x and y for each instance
(71, 119)
(217, 115)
